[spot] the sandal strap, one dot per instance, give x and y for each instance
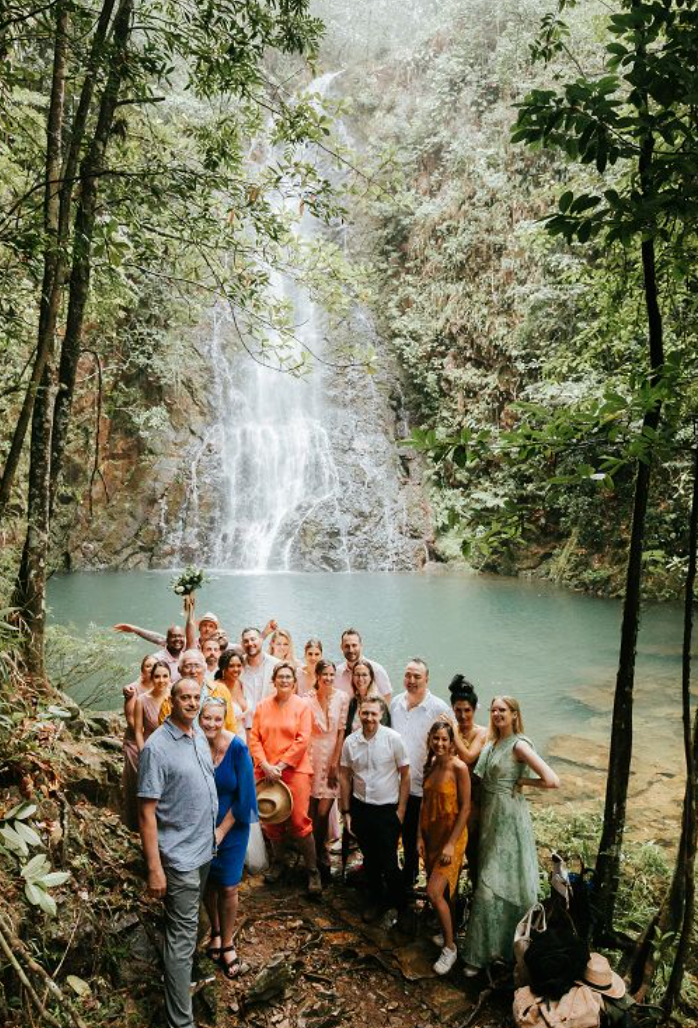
(228, 949)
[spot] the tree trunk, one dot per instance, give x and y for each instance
(50, 287)
(84, 231)
(682, 896)
(69, 357)
(30, 590)
(608, 859)
(31, 584)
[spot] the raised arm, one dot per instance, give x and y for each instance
(469, 752)
(190, 624)
(547, 779)
(144, 633)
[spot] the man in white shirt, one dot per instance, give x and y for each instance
(374, 772)
(412, 714)
(256, 674)
(351, 648)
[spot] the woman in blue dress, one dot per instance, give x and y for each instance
(237, 810)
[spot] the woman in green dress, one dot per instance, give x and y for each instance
(508, 864)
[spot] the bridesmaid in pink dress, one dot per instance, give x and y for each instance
(306, 672)
(129, 776)
(146, 713)
(329, 709)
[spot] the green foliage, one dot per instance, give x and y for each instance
(85, 664)
(17, 838)
(208, 167)
(522, 345)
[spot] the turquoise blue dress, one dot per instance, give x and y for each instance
(236, 790)
(508, 877)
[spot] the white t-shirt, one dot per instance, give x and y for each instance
(413, 726)
(375, 764)
(257, 684)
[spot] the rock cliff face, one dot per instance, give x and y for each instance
(167, 503)
(261, 471)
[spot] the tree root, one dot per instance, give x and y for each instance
(11, 944)
(21, 974)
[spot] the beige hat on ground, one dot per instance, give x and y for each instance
(599, 976)
(274, 800)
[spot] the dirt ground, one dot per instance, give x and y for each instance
(315, 964)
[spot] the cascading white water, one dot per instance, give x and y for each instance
(303, 470)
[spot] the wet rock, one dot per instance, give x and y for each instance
(270, 983)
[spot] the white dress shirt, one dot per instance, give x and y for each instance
(375, 764)
(257, 684)
(413, 726)
(342, 678)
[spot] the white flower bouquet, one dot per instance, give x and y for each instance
(189, 581)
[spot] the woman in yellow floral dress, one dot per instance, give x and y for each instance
(442, 833)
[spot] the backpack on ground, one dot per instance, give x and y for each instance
(580, 1007)
(555, 959)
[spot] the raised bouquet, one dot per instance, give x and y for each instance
(189, 581)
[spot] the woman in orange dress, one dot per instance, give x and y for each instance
(442, 834)
(279, 741)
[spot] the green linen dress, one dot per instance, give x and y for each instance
(508, 878)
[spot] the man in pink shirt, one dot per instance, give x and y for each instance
(352, 650)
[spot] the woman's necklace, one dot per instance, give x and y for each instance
(218, 754)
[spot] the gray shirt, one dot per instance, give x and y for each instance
(176, 770)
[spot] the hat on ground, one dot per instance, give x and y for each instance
(275, 802)
(599, 976)
(208, 616)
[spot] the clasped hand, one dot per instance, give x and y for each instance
(272, 771)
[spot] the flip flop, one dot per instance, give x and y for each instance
(231, 969)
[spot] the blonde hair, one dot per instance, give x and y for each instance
(281, 633)
(513, 705)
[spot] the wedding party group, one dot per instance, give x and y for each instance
(244, 754)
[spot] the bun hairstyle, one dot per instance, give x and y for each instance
(461, 689)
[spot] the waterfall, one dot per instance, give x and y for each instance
(298, 473)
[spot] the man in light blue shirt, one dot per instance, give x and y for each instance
(178, 808)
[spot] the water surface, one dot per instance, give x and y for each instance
(555, 650)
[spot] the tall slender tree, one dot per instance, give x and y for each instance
(636, 122)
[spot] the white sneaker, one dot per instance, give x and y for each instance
(438, 940)
(471, 972)
(446, 961)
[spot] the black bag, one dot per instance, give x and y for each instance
(556, 958)
(581, 893)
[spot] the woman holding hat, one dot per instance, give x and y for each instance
(237, 810)
(507, 884)
(279, 741)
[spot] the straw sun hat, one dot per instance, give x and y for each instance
(275, 802)
(599, 976)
